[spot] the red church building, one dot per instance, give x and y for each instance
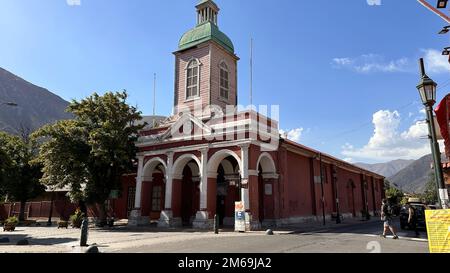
(208, 154)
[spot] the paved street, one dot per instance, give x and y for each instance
(362, 237)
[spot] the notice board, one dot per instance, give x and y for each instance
(438, 230)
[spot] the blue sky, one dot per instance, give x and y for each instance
(343, 72)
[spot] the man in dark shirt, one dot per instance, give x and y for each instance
(386, 217)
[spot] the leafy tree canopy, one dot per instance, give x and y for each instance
(19, 173)
(90, 153)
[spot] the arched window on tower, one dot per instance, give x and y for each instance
(192, 79)
(224, 83)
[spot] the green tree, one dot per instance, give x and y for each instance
(393, 194)
(90, 153)
(430, 195)
(19, 174)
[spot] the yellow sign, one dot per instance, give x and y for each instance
(438, 229)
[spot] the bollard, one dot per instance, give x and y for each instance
(84, 232)
(216, 224)
(269, 232)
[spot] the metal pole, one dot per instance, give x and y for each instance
(436, 153)
(251, 72)
(154, 99)
(321, 188)
(338, 217)
(436, 157)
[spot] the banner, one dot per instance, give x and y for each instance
(438, 230)
(239, 219)
(442, 118)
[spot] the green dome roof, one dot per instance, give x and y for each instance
(202, 33)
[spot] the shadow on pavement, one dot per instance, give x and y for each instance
(152, 229)
(14, 238)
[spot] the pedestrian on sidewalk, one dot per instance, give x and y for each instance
(412, 219)
(386, 217)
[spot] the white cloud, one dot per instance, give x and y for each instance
(294, 134)
(369, 63)
(388, 142)
(342, 61)
(435, 62)
(73, 2)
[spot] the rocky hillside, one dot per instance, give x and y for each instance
(414, 177)
(36, 106)
(386, 169)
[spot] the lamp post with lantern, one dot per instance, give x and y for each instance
(427, 91)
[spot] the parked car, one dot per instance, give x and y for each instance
(420, 210)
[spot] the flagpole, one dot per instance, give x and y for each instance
(251, 72)
(154, 99)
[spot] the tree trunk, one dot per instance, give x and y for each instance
(22, 211)
(83, 207)
(102, 214)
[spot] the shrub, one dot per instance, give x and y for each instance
(77, 218)
(12, 220)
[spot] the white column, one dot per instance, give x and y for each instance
(137, 199)
(244, 175)
(169, 174)
(204, 179)
(244, 161)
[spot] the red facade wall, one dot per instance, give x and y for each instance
(297, 197)
(301, 195)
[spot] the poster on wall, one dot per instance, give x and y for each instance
(239, 218)
(438, 230)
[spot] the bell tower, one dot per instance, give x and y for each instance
(207, 11)
(205, 65)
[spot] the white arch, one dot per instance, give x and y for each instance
(227, 167)
(195, 168)
(181, 162)
(218, 157)
(149, 167)
(267, 163)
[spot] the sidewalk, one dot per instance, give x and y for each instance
(45, 239)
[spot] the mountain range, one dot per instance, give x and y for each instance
(32, 106)
(410, 176)
(387, 169)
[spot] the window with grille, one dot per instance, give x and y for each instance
(156, 198)
(130, 200)
(224, 83)
(192, 79)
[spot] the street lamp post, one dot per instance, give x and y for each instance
(427, 91)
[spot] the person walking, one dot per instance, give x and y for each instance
(386, 217)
